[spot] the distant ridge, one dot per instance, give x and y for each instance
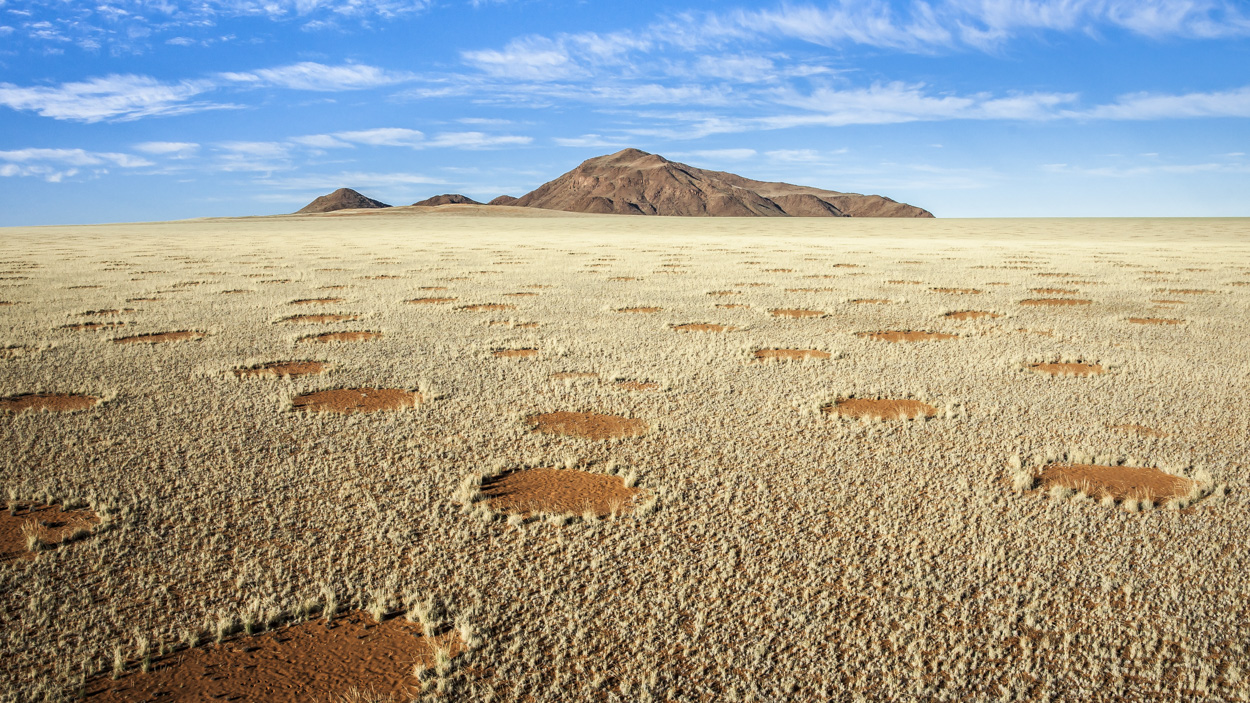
(634, 182)
(504, 200)
(448, 199)
(341, 199)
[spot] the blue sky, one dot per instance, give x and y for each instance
(125, 110)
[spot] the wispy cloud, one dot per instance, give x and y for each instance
(178, 150)
(54, 165)
(309, 75)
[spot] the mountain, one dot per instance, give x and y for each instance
(341, 199)
(448, 199)
(503, 200)
(633, 182)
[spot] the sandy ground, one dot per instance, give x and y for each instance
(771, 549)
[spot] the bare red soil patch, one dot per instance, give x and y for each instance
(6, 303)
(429, 301)
(1068, 369)
(560, 491)
(1168, 302)
(1155, 321)
(732, 306)
(357, 336)
(1188, 291)
(906, 336)
(356, 400)
(701, 327)
(795, 312)
(957, 291)
(94, 326)
(871, 301)
(587, 425)
(383, 277)
(52, 402)
(971, 315)
(643, 310)
(319, 319)
(316, 301)
(722, 293)
(638, 385)
(432, 288)
(1119, 482)
(48, 523)
(886, 409)
(514, 353)
(486, 307)
(562, 375)
(310, 661)
(790, 354)
(1055, 291)
(778, 270)
(142, 300)
(160, 337)
(282, 369)
(1139, 430)
(236, 291)
(1054, 302)
(331, 287)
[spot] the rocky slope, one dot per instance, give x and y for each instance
(341, 199)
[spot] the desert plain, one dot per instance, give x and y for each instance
(499, 454)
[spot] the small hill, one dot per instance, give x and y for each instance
(634, 182)
(448, 199)
(341, 199)
(504, 200)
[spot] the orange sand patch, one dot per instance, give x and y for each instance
(790, 354)
(701, 327)
(886, 409)
(795, 312)
(1168, 302)
(1055, 291)
(94, 326)
(6, 303)
(309, 661)
(1155, 321)
(1188, 291)
(50, 523)
(514, 353)
(319, 319)
(906, 336)
(970, 315)
(356, 400)
(486, 307)
(432, 288)
(957, 291)
(562, 375)
(1053, 302)
(160, 337)
(1119, 482)
(559, 491)
(644, 310)
(52, 402)
(316, 301)
(429, 301)
(871, 301)
(1139, 430)
(1068, 369)
(358, 336)
(638, 385)
(282, 369)
(587, 425)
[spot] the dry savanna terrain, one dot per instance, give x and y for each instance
(501, 455)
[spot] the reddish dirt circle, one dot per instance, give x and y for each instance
(790, 354)
(795, 313)
(356, 400)
(640, 310)
(1055, 291)
(319, 319)
(896, 336)
(560, 491)
(514, 353)
(963, 315)
(1119, 482)
(884, 408)
(587, 425)
(50, 523)
(160, 337)
(486, 307)
(94, 326)
(316, 301)
(51, 402)
(429, 301)
(1155, 321)
(282, 369)
(1068, 369)
(701, 327)
(732, 306)
(326, 337)
(1054, 302)
(957, 291)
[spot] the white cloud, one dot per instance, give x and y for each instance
(309, 75)
(477, 140)
(1148, 106)
(55, 165)
(384, 136)
(113, 97)
(175, 149)
(533, 58)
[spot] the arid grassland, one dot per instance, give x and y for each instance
(413, 456)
